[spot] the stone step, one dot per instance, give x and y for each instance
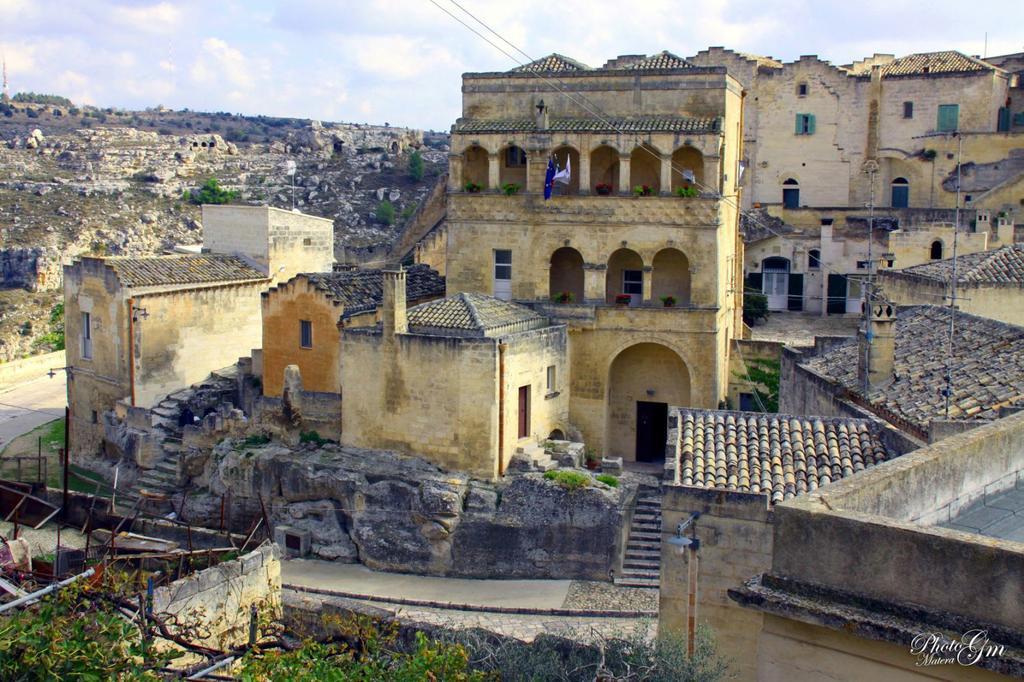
(643, 573)
(169, 412)
(638, 582)
(632, 553)
(647, 523)
(645, 535)
(644, 545)
(167, 466)
(648, 502)
(643, 564)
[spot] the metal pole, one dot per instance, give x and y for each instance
(64, 504)
(216, 666)
(952, 287)
(870, 281)
(691, 611)
(45, 591)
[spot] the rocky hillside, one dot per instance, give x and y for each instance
(112, 183)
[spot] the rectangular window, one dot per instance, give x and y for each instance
(633, 282)
(908, 110)
(86, 336)
(949, 118)
(305, 333)
(863, 264)
(551, 378)
(503, 274)
(515, 157)
(801, 89)
(95, 417)
(805, 124)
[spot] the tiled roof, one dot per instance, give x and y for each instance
(987, 367)
(1004, 266)
(668, 124)
(185, 269)
(948, 61)
(662, 60)
(780, 455)
(472, 315)
(362, 290)
(553, 63)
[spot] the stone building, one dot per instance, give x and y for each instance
(140, 328)
(988, 284)
(904, 381)
(649, 213)
(462, 381)
(303, 317)
(734, 468)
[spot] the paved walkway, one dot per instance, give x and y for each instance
(25, 406)
(799, 329)
(356, 579)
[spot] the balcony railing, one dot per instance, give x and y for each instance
(666, 210)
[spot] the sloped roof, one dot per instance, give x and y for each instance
(472, 315)
(948, 61)
(184, 269)
(780, 455)
(662, 60)
(553, 63)
(363, 290)
(682, 124)
(987, 367)
(1002, 266)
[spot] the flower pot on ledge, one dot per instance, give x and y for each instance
(603, 189)
(623, 300)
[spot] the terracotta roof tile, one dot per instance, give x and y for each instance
(925, 63)
(185, 269)
(1004, 265)
(553, 63)
(472, 315)
(662, 60)
(670, 124)
(362, 290)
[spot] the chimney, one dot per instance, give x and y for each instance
(876, 341)
(393, 312)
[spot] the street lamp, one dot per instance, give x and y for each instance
(681, 543)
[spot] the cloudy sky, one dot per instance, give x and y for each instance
(400, 60)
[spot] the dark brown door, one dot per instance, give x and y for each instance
(651, 431)
(524, 411)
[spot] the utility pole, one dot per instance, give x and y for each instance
(948, 391)
(6, 94)
(871, 167)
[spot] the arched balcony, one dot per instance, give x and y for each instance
(645, 168)
(565, 280)
(687, 158)
(568, 155)
(670, 276)
(512, 167)
(604, 170)
(625, 276)
(474, 167)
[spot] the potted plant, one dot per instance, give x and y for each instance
(592, 459)
(563, 297)
(687, 192)
(643, 190)
(623, 299)
(510, 188)
(603, 188)
(668, 301)
(472, 187)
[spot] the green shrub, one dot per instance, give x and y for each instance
(755, 307)
(312, 437)
(608, 480)
(39, 98)
(386, 212)
(689, 192)
(416, 166)
(210, 193)
(570, 480)
(510, 188)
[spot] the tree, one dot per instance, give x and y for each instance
(55, 337)
(755, 307)
(386, 212)
(416, 166)
(210, 193)
(764, 373)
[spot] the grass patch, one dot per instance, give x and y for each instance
(253, 441)
(570, 480)
(608, 480)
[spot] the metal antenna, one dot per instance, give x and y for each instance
(871, 167)
(948, 391)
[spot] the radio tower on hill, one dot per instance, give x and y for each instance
(5, 95)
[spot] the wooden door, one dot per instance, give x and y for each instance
(651, 431)
(524, 411)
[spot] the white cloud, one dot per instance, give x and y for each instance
(156, 18)
(218, 63)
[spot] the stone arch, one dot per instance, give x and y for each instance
(687, 157)
(645, 167)
(899, 190)
(394, 147)
(670, 276)
(563, 154)
(474, 166)
(790, 193)
(604, 167)
(621, 278)
(512, 164)
(556, 434)
(935, 251)
(566, 275)
(643, 377)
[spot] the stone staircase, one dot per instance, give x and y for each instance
(529, 458)
(641, 565)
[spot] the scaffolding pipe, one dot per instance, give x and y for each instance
(28, 598)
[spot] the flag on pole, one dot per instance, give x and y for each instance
(549, 179)
(688, 175)
(565, 175)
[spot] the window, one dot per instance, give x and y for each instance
(900, 193)
(515, 157)
(305, 333)
(949, 118)
(551, 386)
(95, 417)
(801, 89)
(936, 250)
(633, 282)
(86, 336)
(805, 124)
(813, 259)
(908, 110)
(863, 264)
(791, 194)
(503, 274)
(307, 242)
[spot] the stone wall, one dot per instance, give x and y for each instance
(35, 269)
(735, 532)
(30, 368)
(218, 600)
(1004, 303)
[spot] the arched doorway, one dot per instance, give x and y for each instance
(936, 250)
(644, 381)
(512, 167)
(566, 275)
(670, 276)
(568, 155)
(604, 170)
(791, 194)
(474, 166)
(900, 193)
(775, 282)
(684, 159)
(625, 275)
(645, 168)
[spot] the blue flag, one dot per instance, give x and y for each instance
(549, 179)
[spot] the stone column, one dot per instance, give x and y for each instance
(584, 172)
(493, 173)
(454, 172)
(593, 282)
(648, 283)
(666, 174)
(624, 187)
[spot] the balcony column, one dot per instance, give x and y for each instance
(584, 172)
(493, 174)
(648, 283)
(455, 172)
(593, 282)
(624, 187)
(666, 174)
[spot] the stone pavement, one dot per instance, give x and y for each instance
(997, 514)
(799, 329)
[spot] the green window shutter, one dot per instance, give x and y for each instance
(799, 121)
(810, 124)
(796, 292)
(949, 117)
